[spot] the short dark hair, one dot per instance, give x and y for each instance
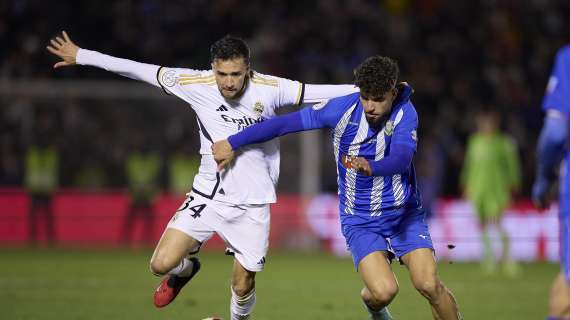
(376, 76)
(229, 47)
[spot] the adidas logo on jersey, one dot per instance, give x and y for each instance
(222, 108)
(262, 261)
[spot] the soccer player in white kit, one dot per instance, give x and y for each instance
(233, 203)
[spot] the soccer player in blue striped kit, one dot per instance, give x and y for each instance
(553, 146)
(374, 138)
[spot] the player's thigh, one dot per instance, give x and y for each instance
(246, 232)
(172, 247)
(422, 267)
(376, 273)
(188, 228)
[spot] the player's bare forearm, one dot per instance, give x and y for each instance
(63, 48)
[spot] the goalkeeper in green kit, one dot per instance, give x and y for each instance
(490, 174)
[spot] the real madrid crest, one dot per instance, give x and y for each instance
(389, 127)
(169, 78)
(258, 108)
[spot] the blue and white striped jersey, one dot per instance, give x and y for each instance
(351, 135)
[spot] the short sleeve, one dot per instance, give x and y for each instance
(405, 126)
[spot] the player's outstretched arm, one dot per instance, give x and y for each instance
(223, 151)
(549, 154)
(65, 49)
(71, 54)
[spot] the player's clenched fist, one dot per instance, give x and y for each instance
(223, 153)
(357, 163)
(64, 48)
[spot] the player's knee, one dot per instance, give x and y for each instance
(380, 296)
(160, 266)
(429, 288)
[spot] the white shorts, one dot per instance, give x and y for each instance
(244, 228)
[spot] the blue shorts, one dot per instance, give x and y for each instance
(398, 232)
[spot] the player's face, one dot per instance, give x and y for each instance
(376, 108)
(488, 123)
(230, 76)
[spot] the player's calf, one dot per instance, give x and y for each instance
(243, 293)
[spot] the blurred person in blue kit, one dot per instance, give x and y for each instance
(552, 150)
(41, 179)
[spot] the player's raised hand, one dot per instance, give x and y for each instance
(64, 48)
(540, 191)
(223, 153)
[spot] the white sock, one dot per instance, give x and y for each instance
(241, 307)
(183, 269)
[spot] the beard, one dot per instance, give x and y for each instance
(377, 122)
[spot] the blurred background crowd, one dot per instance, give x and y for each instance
(460, 56)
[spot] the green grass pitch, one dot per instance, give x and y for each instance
(92, 284)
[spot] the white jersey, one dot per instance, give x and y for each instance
(252, 178)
